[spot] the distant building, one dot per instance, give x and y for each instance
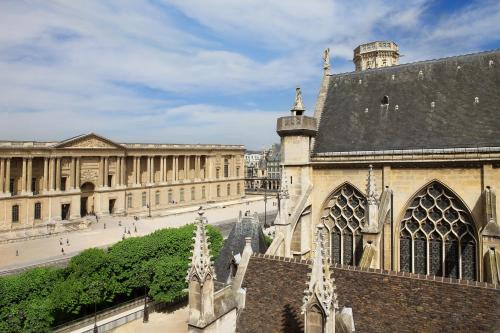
(45, 182)
(376, 55)
(262, 169)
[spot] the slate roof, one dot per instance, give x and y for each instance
(455, 121)
(246, 226)
(381, 301)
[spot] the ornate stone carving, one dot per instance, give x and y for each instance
(90, 143)
(89, 175)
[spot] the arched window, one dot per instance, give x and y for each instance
(343, 215)
(437, 235)
(384, 100)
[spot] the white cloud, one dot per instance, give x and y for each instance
(91, 63)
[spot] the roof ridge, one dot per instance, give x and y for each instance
(415, 63)
(385, 272)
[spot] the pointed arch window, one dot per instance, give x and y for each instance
(343, 215)
(438, 236)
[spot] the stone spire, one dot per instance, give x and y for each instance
(200, 276)
(298, 105)
(320, 297)
(201, 265)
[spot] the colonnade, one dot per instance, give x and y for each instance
(159, 169)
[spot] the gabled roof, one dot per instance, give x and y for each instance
(90, 140)
(431, 105)
(381, 301)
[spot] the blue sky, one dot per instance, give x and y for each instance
(192, 71)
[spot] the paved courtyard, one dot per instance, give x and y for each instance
(110, 230)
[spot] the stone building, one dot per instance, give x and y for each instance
(400, 164)
(46, 182)
(263, 169)
(290, 295)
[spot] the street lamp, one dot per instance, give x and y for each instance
(145, 276)
(266, 156)
(95, 292)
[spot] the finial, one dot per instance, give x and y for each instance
(201, 211)
(326, 60)
(201, 265)
(321, 287)
(371, 189)
(298, 105)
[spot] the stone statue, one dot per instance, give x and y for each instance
(326, 59)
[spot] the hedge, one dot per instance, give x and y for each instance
(41, 298)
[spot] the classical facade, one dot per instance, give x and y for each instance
(45, 182)
(400, 165)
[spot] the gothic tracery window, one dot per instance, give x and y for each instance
(437, 235)
(344, 215)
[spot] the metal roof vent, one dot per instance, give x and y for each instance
(393, 77)
(396, 107)
(490, 63)
(476, 100)
(384, 100)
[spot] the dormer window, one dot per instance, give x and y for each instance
(385, 100)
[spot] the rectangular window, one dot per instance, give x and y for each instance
(228, 189)
(110, 180)
(238, 188)
(237, 171)
(203, 195)
(170, 196)
(226, 168)
(12, 187)
(217, 173)
(38, 211)
(193, 196)
(15, 213)
(33, 186)
(218, 190)
(157, 198)
(63, 183)
(144, 204)
(181, 195)
(129, 201)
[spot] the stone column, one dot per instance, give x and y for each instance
(45, 174)
(175, 162)
(77, 173)
(118, 165)
(72, 174)
(101, 172)
(51, 178)
(138, 169)
(124, 171)
(187, 167)
(162, 168)
(23, 176)
(58, 174)
(29, 175)
(7, 176)
(106, 171)
(2, 173)
(148, 171)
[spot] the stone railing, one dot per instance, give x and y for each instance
(296, 125)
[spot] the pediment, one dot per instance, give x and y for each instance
(89, 141)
